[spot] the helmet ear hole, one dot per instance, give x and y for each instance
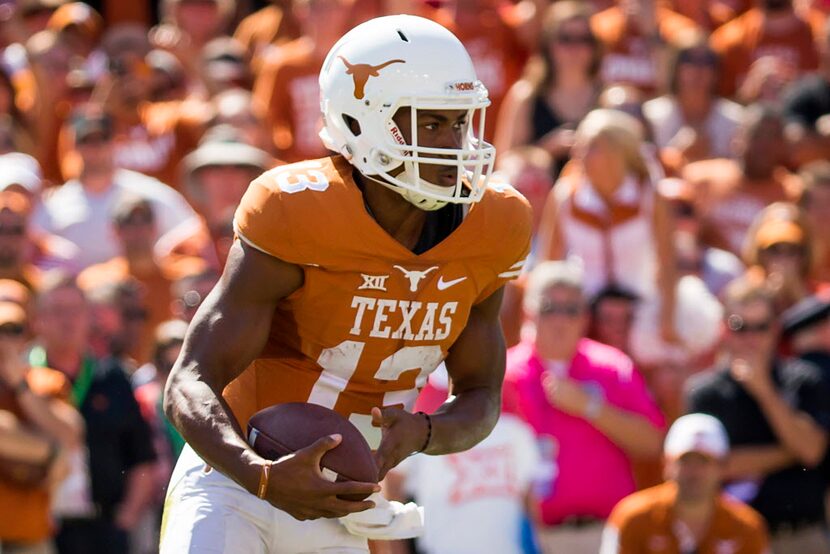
(353, 124)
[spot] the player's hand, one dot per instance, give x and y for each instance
(403, 434)
(296, 485)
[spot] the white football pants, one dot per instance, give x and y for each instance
(206, 512)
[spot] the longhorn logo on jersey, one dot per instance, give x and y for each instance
(415, 276)
(361, 73)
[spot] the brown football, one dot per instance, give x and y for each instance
(282, 429)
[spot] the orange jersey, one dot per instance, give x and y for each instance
(372, 319)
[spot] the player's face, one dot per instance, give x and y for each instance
(698, 476)
(435, 129)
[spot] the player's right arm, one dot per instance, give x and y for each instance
(227, 333)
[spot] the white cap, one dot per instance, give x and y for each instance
(697, 433)
(20, 169)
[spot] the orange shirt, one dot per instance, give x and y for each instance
(288, 88)
(24, 513)
(157, 296)
(710, 14)
(372, 319)
(643, 522)
(728, 202)
(744, 40)
(629, 58)
(270, 25)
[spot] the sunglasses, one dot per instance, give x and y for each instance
(12, 230)
(739, 325)
(94, 139)
(12, 330)
(135, 221)
(706, 60)
(571, 309)
(135, 314)
(787, 249)
(575, 39)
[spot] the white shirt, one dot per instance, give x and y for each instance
(84, 218)
(722, 123)
(473, 501)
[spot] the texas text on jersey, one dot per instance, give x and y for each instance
(372, 319)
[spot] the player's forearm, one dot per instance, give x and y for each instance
(205, 421)
(464, 421)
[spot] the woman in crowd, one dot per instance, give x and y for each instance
(780, 250)
(559, 87)
(692, 121)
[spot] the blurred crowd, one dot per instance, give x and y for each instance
(676, 154)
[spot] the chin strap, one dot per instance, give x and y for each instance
(415, 198)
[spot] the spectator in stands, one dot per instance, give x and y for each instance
(730, 193)
(588, 405)
(814, 199)
(37, 426)
(807, 328)
(187, 27)
(168, 83)
(216, 175)
(135, 227)
(692, 121)
(714, 266)
(273, 25)
(559, 87)
(763, 50)
(225, 66)
(149, 381)
(777, 415)
(804, 103)
(476, 500)
(120, 449)
(606, 201)
(613, 310)
(636, 35)
(688, 513)
(22, 136)
(237, 108)
(779, 250)
(80, 210)
(287, 83)
(711, 14)
(15, 240)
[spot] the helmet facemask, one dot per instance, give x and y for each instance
(472, 160)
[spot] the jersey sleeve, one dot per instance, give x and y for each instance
(513, 223)
(270, 220)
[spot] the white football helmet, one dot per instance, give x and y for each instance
(404, 61)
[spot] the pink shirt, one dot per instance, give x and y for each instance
(590, 473)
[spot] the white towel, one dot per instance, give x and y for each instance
(388, 520)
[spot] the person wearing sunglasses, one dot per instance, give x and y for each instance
(589, 407)
(777, 414)
(692, 120)
(780, 250)
(559, 87)
(37, 427)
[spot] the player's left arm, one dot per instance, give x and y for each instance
(476, 367)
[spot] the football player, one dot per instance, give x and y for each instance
(353, 277)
